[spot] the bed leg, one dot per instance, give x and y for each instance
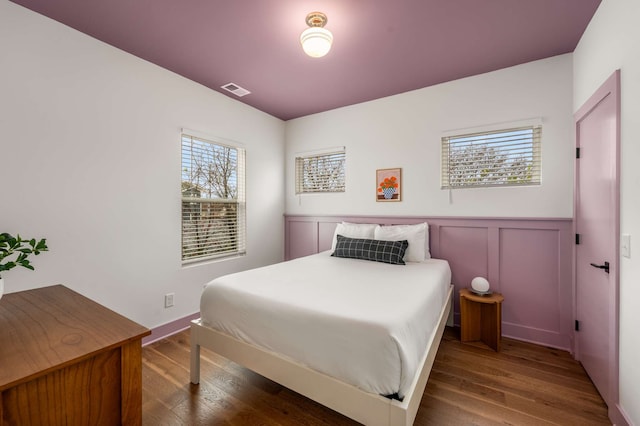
(450, 322)
(195, 360)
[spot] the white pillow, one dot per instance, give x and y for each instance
(353, 230)
(417, 235)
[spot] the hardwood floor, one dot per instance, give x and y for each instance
(524, 384)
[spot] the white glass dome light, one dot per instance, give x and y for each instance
(316, 40)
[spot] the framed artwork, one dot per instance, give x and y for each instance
(388, 184)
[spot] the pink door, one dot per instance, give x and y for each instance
(597, 223)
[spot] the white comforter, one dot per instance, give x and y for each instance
(365, 323)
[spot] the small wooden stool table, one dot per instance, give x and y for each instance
(481, 318)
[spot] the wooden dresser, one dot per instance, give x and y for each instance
(66, 360)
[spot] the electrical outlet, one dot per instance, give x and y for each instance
(625, 245)
(168, 300)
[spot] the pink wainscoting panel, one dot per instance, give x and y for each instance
(529, 279)
(466, 250)
(528, 260)
(325, 235)
(169, 329)
(301, 239)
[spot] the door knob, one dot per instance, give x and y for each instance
(605, 266)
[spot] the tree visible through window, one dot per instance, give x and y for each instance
(213, 199)
(320, 173)
(499, 158)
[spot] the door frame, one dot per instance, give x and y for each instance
(610, 88)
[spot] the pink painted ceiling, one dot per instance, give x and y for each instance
(381, 47)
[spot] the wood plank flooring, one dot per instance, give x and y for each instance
(524, 384)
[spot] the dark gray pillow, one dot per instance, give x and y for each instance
(375, 250)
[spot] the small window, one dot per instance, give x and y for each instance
(320, 172)
(213, 200)
(508, 157)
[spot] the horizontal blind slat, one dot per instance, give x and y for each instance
(213, 218)
(498, 158)
(320, 173)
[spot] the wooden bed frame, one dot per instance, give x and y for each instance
(364, 407)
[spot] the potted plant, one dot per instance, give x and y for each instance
(14, 251)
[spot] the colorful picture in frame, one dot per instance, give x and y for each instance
(388, 185)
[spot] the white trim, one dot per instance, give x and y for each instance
(364, 407)
(321, 151)
(531, 122)
(188, 239)
(208, 137)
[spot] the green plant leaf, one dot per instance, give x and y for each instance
(16, 246)
(8, 266)
(42, 245)
(26, 264)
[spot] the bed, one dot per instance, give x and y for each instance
(357, 336)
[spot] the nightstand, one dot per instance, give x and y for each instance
(481, 318)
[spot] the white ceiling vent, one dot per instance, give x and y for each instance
(235, 89)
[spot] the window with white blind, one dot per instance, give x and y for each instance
(213, 199)
(321, 172)
(507, 157)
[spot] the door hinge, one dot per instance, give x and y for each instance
(577, 152)
(577, 325)
(577, 238)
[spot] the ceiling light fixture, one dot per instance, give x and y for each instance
(316, 40)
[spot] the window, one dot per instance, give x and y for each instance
(213, 200)
(320, 172)
(506, 157)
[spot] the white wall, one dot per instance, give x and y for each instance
(610, 43)
(90, 159)
(405, 131)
